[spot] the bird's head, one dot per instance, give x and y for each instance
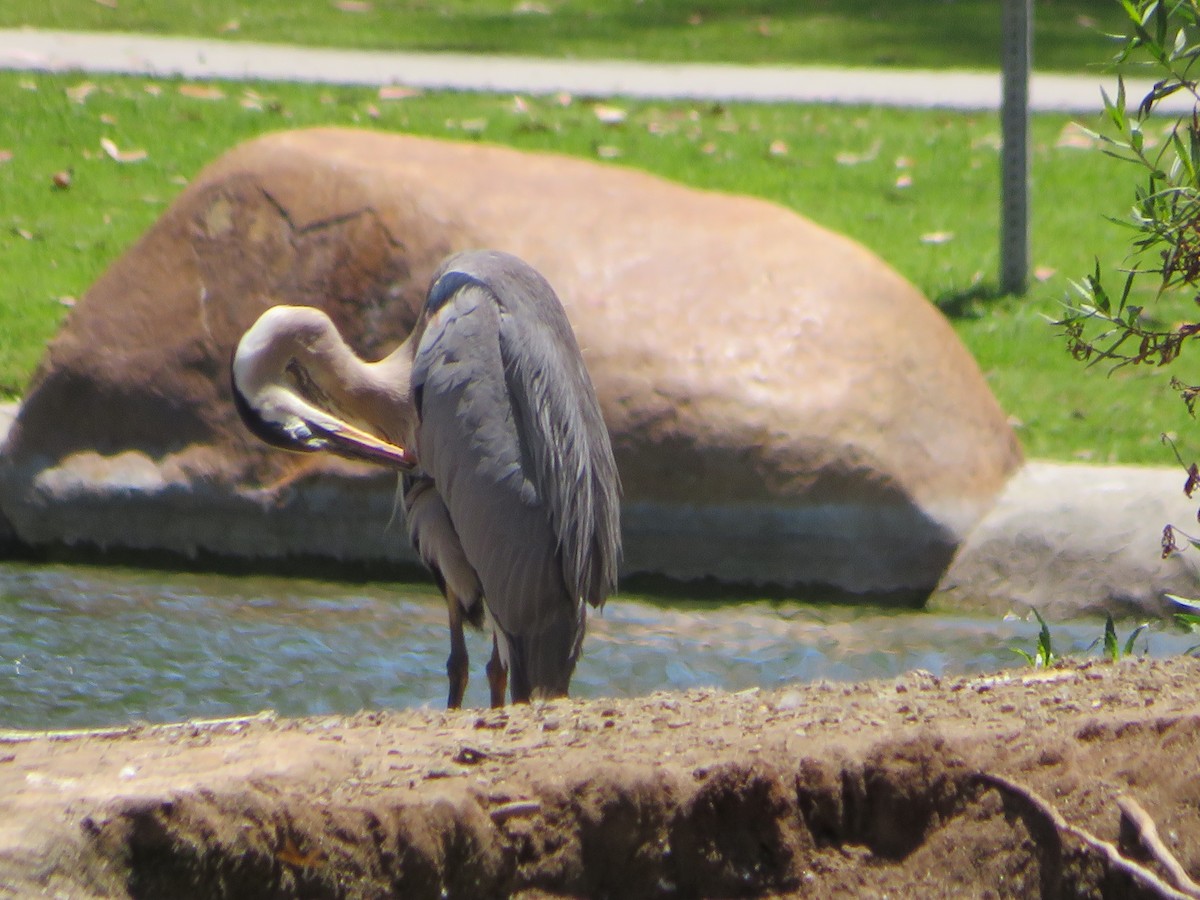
(288, 369)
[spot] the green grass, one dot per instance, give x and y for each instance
(841, 168)
(913, 33)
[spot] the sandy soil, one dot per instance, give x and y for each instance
(1007, 786)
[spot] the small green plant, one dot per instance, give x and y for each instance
(1043, 655)
(1115, 325)
(1113, 649)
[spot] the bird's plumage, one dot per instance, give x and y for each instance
(522, 462)
(516, 495)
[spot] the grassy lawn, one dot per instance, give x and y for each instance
(920, 188)
(912, 33)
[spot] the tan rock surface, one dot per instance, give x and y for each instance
(785, 408)
(1071, 540)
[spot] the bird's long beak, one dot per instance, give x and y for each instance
(346, 440)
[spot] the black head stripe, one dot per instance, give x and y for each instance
(446, 287)
(257, 425)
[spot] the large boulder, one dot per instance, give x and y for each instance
(785, 408)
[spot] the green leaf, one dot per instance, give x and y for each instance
(1187, 621)
(1133, 637)
(1025, 656)
(1111, 649)
(1045, 648)
(1116, 110)
(1145, 15)
(1184, 155)
(1096, 292)
(1184, 602)
(1161, 24)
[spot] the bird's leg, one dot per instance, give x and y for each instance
(497, 676)
(457, 664)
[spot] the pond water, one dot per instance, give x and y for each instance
(85, 646)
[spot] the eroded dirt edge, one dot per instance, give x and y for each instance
(1006, 786)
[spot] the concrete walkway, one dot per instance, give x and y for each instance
(55, 51)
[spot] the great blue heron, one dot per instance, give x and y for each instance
(509, 483)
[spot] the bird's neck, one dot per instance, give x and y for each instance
(386, 389)
(375, 395)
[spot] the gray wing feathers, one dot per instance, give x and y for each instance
(515, 442)
(469, 441)
(566, 442)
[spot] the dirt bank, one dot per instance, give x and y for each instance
(996, 787)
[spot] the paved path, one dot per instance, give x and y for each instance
(197, 58)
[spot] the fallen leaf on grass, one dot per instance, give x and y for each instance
(80, 92)
(231, 25)
(201, 92)
(937, 237)
(778, 148)
(609, 115)
(846, 158)
(397, 92)
(253, 100)
(903, 181)
(1044, 273)
(353, 6)
(531, 7)
(607, 151)
(109, 4)
(116, 154)
(5, 155)
(61, 180)
(67, 301)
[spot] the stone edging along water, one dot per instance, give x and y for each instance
(1068, 539)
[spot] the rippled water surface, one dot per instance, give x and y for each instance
(83, 646)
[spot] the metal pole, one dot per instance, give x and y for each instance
(1016, 53)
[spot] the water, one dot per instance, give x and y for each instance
(87, 646)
